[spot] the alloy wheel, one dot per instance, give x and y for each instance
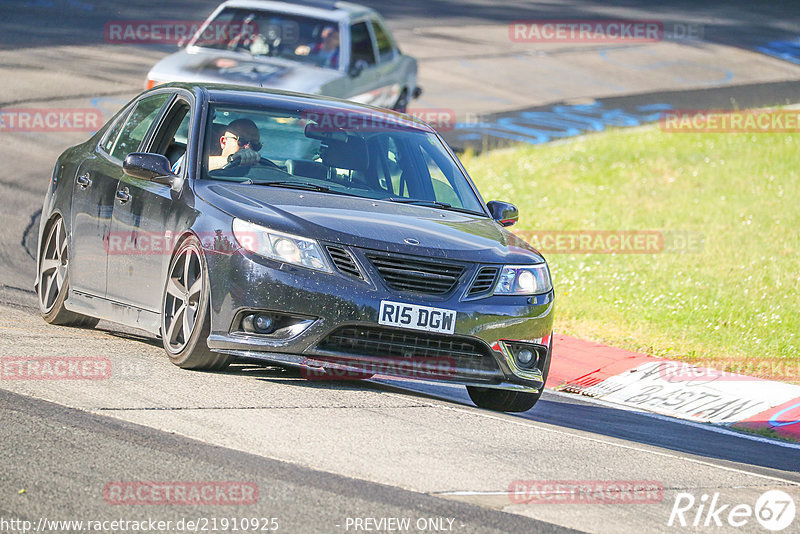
(53, 266)
(182, 298)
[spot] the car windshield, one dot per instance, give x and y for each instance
(268, 33)
(364, 154)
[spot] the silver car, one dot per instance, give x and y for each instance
(328, 48)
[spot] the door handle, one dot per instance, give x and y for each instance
(83, 181)
(123, 195)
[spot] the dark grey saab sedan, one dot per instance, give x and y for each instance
(309, 232)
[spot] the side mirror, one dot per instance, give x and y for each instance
(357, 67)
(503, 212)
(151, 167)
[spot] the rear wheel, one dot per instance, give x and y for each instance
(185, 313)
(402, 102)
(503, 400)
(52, 285)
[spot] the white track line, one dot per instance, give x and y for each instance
(531, 424)
(705, 426)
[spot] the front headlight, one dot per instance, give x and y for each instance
(524, 280)
(280, 246)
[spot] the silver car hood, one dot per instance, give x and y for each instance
(221, 66)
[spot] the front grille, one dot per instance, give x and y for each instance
(380, 342)
(343, 261)
(418, 275)
(484, 281)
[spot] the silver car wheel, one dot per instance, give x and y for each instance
(182, 299)
(53, 266)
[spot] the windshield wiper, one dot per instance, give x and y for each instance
(432, 204)
(419, 202)
(305, 186)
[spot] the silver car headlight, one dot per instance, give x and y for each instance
(524, 280)
(279, 246)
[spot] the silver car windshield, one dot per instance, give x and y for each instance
(267, 33)
(370, 155)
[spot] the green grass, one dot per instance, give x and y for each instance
(770, 433)
(736, 301)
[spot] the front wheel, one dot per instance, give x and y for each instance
(185, 312)
(503, 400)
(52, 284)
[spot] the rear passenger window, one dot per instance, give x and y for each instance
(137, 124)
(111, 135)
(362, 48)
(385, 48)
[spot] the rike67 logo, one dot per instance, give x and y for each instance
(774, 510)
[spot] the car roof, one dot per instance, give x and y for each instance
(216, 93)
(324, 9)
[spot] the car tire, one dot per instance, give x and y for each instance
(402, 102)
(503, 400)
(52, 279)
(186, 311)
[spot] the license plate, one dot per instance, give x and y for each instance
(417, 317)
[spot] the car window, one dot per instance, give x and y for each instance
(390, 174)
(137, 124)
(339, 152)
(259, 32)
(172, 137)
(111, 135)
(443, 188)
(361, 44)
(385, 47)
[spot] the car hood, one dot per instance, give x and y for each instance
(372, 224)
(221, 66)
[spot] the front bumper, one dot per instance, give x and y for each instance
(342, 331)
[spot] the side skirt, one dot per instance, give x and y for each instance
(113, 311)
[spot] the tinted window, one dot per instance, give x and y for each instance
(172, 136)
(361, 44)
(370, 156)
(385, 49)
(111, 136)
(137, 124)
(441, 178)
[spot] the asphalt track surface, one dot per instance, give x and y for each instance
(322, 452)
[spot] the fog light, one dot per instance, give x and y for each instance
(263, 324)
(259, 323)
(525, 357)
